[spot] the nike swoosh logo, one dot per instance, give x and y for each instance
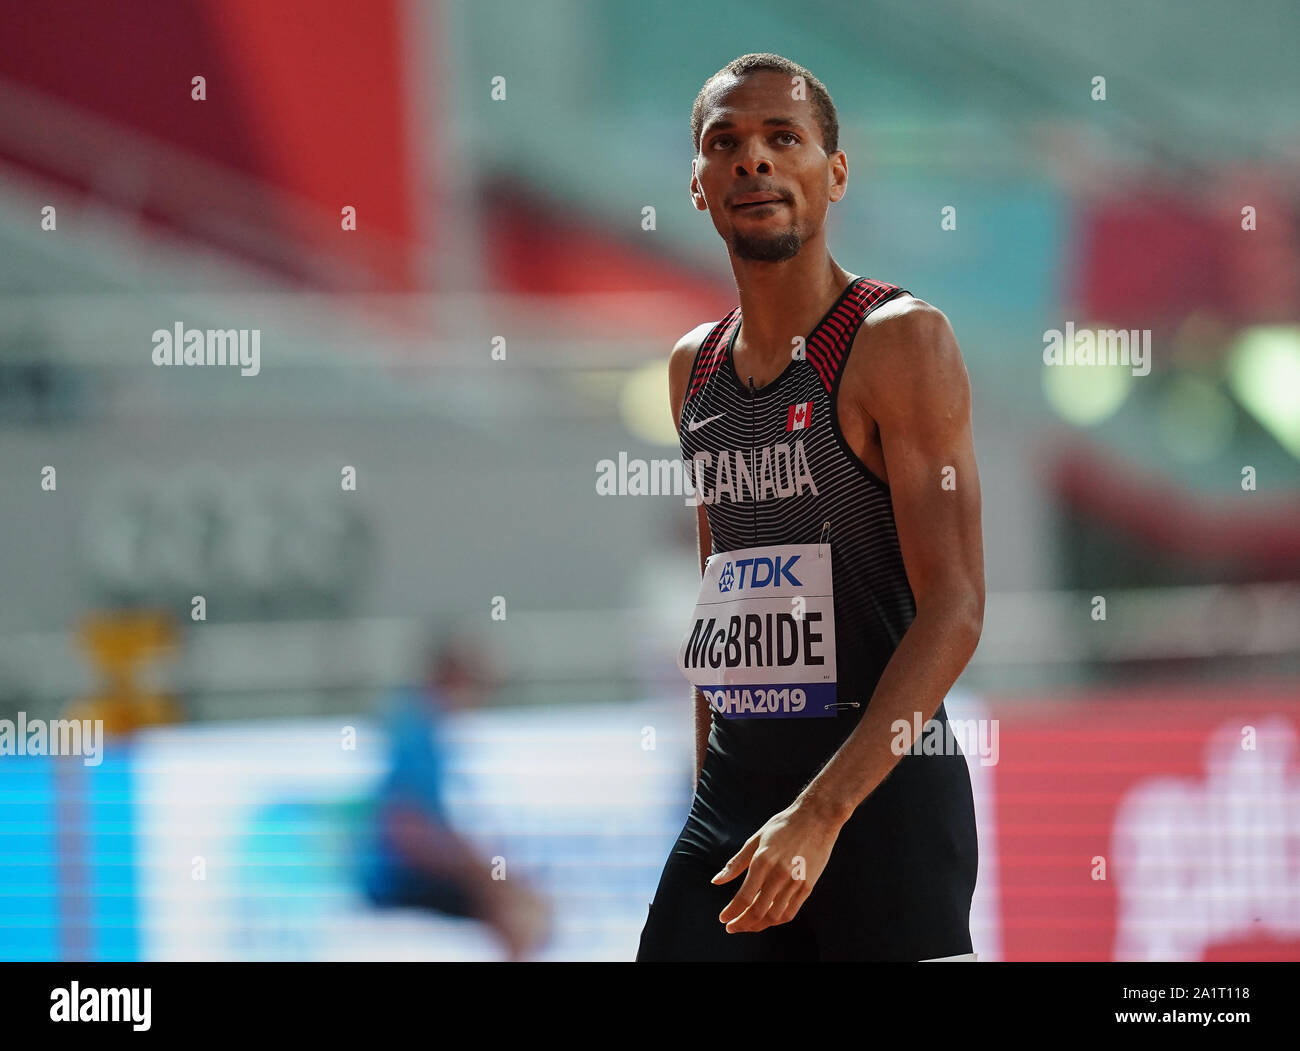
(695, 425)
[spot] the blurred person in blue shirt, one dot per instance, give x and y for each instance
(415, 858)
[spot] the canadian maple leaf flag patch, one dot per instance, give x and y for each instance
(799, 416)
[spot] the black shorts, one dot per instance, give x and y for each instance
(898, 884)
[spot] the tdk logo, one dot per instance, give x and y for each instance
(763, 572)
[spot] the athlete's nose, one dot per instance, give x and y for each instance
(761, 167)
(752, 162)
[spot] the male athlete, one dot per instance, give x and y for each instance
(827, 421)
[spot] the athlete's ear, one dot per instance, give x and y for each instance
(697, 195)
(839, 175)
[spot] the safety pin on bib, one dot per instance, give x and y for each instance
(821, 545)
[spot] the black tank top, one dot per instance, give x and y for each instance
(779, 471)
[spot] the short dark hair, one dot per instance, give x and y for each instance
(763, 62)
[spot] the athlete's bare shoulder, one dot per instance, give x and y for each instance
(903, 344)
(680, 362)
(906, 321)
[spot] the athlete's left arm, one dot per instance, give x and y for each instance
(913, 383)
(916, 389)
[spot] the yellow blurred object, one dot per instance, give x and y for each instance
(119, 644)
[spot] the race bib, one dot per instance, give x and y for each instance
(762, 641)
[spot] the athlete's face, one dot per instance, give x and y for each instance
(762, 172)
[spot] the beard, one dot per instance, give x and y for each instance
(769, 248)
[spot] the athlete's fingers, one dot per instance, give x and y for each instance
(770, 916)
(787, 897)
(756, 896)
(738, 863)
(788, 905)
(751, 916)
(746, 896)
(740, 904)
(754, 918)
(793, 903)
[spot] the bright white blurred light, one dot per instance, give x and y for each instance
(1086, 394)
(1264, 373)
(644, 406)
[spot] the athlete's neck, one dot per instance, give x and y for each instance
(780, 302)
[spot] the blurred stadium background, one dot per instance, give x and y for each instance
(521, 219)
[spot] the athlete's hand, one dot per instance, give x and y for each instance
(784, 858)
(519, 917)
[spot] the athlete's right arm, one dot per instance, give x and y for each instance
(679, 375)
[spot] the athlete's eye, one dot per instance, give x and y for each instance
(724, 140)
(790, 135)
